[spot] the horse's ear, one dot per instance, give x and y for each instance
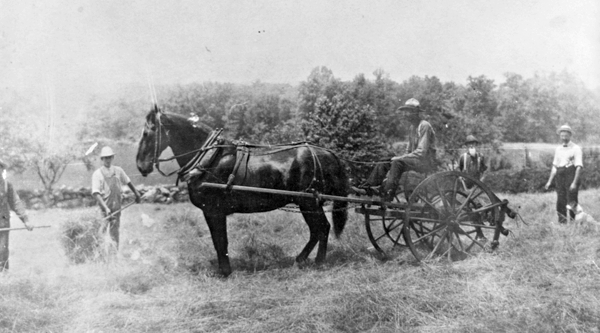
(156, 109)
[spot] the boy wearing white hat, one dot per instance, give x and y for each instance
(566, 167)
(107, 182)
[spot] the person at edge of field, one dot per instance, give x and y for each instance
(566, 167)
(472, 162)
(9, 200)
(420, 156)
(107, 182)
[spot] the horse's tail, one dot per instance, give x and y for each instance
(340, 208)
(340, 216)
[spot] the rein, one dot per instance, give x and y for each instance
(157, 140)
(208, 145)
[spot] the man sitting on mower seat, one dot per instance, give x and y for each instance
(420, 156)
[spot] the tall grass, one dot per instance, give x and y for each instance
(543, 278)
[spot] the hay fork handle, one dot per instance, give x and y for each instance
(23, 228)
(118, 211)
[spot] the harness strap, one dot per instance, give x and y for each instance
(242, 157)
(208, 144)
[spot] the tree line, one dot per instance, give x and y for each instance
(356, 118)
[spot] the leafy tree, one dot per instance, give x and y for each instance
(50, 165)
(473, 111)
(31, 140)
(513, 106)
(340, 120)
(320, 84)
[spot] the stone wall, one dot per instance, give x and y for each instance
(68, 197)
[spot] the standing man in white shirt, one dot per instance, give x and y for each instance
(107, 184)
(567, 165)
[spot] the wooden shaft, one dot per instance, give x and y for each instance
(23, 228)
(303, 194)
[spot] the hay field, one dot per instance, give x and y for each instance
(545, 278)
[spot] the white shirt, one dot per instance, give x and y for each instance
(99, 185)
(568, 155)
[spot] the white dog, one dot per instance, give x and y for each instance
(583, 219)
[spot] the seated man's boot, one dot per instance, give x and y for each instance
(388, 194)
(358, 191)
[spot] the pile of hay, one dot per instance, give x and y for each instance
(81, 237)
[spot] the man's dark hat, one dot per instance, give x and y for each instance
(471, 139)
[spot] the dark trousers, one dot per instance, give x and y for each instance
(393, 171)
(3, 250)
(564, 179)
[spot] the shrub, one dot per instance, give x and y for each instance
(591, 168)
(499, 162)
(511, 181)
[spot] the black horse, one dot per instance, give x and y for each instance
(298, 168)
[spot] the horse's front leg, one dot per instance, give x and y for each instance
(217, 224)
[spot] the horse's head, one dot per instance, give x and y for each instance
(154, 140)
(162, 130)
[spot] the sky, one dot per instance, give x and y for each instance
(66, 51)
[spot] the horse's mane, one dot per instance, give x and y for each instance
(180, 121)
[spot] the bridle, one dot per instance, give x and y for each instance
(157, 143)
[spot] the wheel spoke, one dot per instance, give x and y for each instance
(470, 197)
(391, 227)
(380, 237)
(449, 251)
(474, 242)
(434, 232)
(462, 248)
(477, 225)
(437, 245)
(442, 196)
(454, 191)
(397, 239)
(426, 201)
(424, 219)
(386, 232)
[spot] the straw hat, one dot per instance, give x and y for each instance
(565, 128)
(106, 152)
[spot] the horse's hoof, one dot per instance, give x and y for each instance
(495, 244)
(223, 273)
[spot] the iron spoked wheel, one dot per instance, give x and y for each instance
(385, 230)
(451, 215)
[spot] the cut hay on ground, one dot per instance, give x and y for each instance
(81, 238)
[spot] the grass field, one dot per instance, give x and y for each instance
(544, 278)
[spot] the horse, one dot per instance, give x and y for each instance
(295, 167)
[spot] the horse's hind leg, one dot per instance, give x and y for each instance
(319, 231)
(217, 224)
